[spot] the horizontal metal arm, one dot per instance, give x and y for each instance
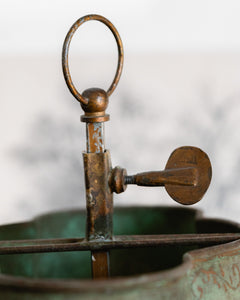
(118, 242)
(181, 176)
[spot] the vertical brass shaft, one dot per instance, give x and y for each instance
(95, 144)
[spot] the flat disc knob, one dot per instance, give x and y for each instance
(185, 157)
(186, 177)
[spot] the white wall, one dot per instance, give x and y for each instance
(29, 27)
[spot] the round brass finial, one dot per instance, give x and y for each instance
(97, 101)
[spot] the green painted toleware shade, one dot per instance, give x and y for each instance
(168, 272)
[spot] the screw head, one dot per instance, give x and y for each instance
(117, 180)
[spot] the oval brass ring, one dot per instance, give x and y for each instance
(65, 51)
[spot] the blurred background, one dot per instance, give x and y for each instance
(180, 86)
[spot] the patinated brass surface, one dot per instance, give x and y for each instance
(150, 273)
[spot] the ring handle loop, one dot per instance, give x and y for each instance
(65, 51)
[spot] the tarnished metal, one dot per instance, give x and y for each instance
(186, 177)
(208, 272)
(97, 102)
(97, 166)
(99, 197)
(190, 157)
(66, 45)
(119, 242)
(180, 176)
(186, 181)
(95, 137)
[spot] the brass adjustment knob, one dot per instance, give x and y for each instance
(186, 177)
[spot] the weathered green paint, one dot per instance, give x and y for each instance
(210, 273)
